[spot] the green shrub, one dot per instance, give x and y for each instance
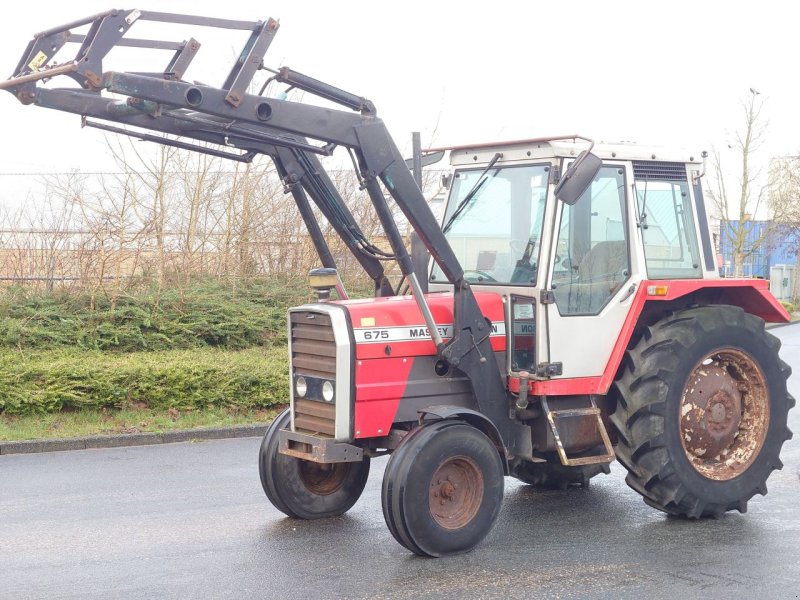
(202, 314)
(182, 379)
(790, 307)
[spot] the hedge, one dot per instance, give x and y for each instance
(202, 314)
(54, 380)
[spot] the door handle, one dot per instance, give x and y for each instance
(628, 293)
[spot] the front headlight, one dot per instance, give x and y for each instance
(327, 391)
(300, 386)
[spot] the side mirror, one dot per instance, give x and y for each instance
(578, 177)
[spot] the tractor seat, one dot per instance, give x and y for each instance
(599, 275)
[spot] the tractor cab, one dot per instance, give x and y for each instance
(574, 267)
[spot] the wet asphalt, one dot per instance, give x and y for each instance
(189, 520)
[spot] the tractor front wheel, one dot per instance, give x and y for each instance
(442, 489)
(305, 489)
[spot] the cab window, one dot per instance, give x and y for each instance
(592, 259)
(493, 222)
(666, 222)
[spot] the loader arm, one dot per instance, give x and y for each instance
(290, 133)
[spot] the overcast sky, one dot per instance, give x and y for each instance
(665, 73)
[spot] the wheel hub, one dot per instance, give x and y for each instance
(323, 479)
(712, 412)
(724, 413)
(455, 492)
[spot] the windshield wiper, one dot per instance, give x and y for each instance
(643, 215)
(472, 193)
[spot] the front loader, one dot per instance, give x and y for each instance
(574, 312)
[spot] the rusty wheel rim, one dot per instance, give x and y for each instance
(455, 492)
(323, 479)
(724, 414)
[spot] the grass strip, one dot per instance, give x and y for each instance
(116, 421)
(183, 380)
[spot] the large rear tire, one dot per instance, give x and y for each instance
(304, 489)
(702, 411)
(442, 489)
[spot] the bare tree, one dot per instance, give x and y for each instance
(151, 187)
(36, 236)
(167, 216)
(784, 200)
(737, 205)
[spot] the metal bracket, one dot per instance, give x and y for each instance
(555, 175)
(315, 449)
(549, 369)
(547, 297)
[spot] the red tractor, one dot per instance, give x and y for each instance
(572, 312)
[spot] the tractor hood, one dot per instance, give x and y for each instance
(392, 327)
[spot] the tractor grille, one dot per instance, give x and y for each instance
(313, 358)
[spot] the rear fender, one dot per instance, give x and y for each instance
(752, 295)
(653, 298)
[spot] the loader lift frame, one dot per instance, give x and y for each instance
(230, 117)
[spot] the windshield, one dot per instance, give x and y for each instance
(496, 233)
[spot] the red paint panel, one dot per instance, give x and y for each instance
(752, 295)
(381, 378)
(604, 382)
(380, 385)
(377, 314)
(566, 387)
(403, 310)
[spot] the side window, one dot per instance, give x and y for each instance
(667, 225)
(592, 260)
(523, 333)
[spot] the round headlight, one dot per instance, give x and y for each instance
(327, 391)
(300, 386)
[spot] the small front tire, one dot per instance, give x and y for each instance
(304, 489)
(442, 489)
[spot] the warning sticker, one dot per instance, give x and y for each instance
(38, 61)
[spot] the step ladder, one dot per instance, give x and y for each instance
(554, 416)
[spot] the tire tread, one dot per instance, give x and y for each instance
(640, 416)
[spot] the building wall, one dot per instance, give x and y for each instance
(776, 248)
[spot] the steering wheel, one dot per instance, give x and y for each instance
(482, 274)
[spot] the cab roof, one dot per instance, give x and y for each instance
(564, 146)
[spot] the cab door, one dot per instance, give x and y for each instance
(590, 280)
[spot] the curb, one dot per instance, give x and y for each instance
(131, 439)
